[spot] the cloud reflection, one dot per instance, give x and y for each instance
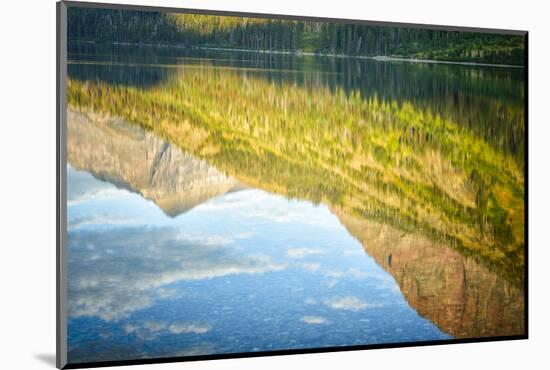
(82, 187)
(116, 273)
(150, 330)
(314, 320)
(302, 252)
(350, 303)
(195, 329)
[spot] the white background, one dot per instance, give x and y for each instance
(27, 184)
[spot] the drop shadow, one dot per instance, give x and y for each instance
(46, 358)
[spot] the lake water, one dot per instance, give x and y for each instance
(175, 251)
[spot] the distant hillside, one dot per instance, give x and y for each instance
(106, 25)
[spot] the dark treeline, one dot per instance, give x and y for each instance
(103, 25)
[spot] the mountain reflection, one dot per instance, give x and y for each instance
(461, 296)
(138, 161)
(341, 149)
(226, 202)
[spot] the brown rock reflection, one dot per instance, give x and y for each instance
(459, 295)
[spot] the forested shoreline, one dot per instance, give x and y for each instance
(108, 26)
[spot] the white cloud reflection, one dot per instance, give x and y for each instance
(82, 187)
(114, 274)
(350, 303)
(150, 330)
(311, 267)
(181, 329)
(270, 208)
(314, 320)
(96, 220)
(302, 252)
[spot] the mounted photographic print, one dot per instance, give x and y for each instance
(235, 184)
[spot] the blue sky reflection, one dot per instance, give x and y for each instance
(245, 271)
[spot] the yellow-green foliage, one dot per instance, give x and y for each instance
(206, 24)
(373, 158)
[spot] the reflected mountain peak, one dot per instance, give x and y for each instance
(130, 158)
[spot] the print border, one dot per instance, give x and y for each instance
(61, 191)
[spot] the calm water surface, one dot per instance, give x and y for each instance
(169, 255)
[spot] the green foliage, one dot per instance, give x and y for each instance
(374, 158)
(105, 25)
